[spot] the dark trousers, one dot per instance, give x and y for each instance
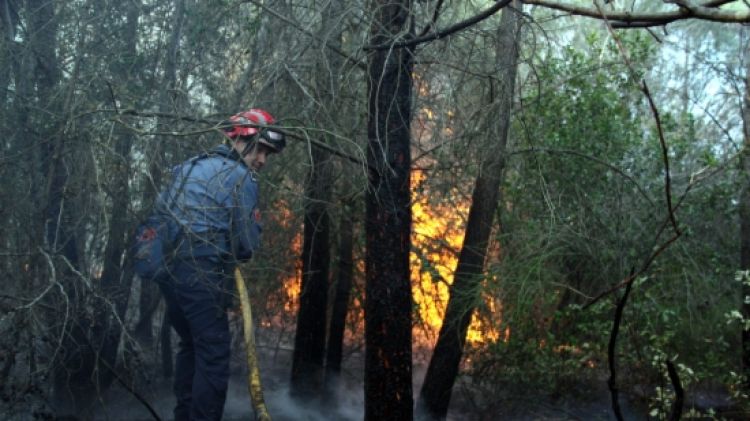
(195, 300)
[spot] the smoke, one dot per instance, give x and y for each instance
(345, 403)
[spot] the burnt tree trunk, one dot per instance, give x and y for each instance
(341, 297)
(441, 374)
(388, 300)
(309, 339)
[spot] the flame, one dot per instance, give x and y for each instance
(437, 238)
(291, 287)
(293, 283)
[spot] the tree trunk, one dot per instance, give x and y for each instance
(745, 215)
(72, 365)
(8, 23)
(388, 300)
(341, 298)
(309, 340)
(114, 285)
(167, 363)
(150, 296)
(441, 374)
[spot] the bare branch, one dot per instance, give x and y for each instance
(706, 11)
(353, 60)
(217, 125)
(499, 4)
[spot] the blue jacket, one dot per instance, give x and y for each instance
(214, 198)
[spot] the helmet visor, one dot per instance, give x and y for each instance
(273, 138)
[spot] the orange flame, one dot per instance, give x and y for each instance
(437, 238)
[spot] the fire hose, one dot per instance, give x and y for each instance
(253, 376)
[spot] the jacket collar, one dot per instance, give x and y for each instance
(227, 152)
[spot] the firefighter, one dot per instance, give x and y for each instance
(214, 198)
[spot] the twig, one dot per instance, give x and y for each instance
(665, 155)
(217, 125)
(112, 95)
(589, 157)
(122, 382)
(297, 26)
(667, 179)
(655, 112)
(433, 21)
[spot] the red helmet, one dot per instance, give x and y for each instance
(250, 123)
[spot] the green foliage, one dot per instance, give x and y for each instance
(548, 363)
(584, 202)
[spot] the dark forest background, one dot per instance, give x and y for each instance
(481, 204)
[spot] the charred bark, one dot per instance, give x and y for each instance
(309, 343)
(341, 297)
(309, 339)
(441, 374)
(388, 301)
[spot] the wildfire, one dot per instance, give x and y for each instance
(293, 283)
(437, 237)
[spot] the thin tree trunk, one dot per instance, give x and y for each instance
(309, 340)
(72, 366)
(150, 296)
(745, 215)
(8, 22)
(388, 300)
(114, 285)
(341, 298)
(435, 395)
(310, 336)
(167, 363)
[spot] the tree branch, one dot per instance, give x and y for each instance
(499, 4)
(435, 14)
(217, 125)
(706, 11)
(310, 34)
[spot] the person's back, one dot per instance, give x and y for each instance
(210, 193)
(214, 199)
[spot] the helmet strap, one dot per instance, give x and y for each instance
(249, 145)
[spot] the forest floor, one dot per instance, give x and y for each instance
(587, 400)
(468, 403)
